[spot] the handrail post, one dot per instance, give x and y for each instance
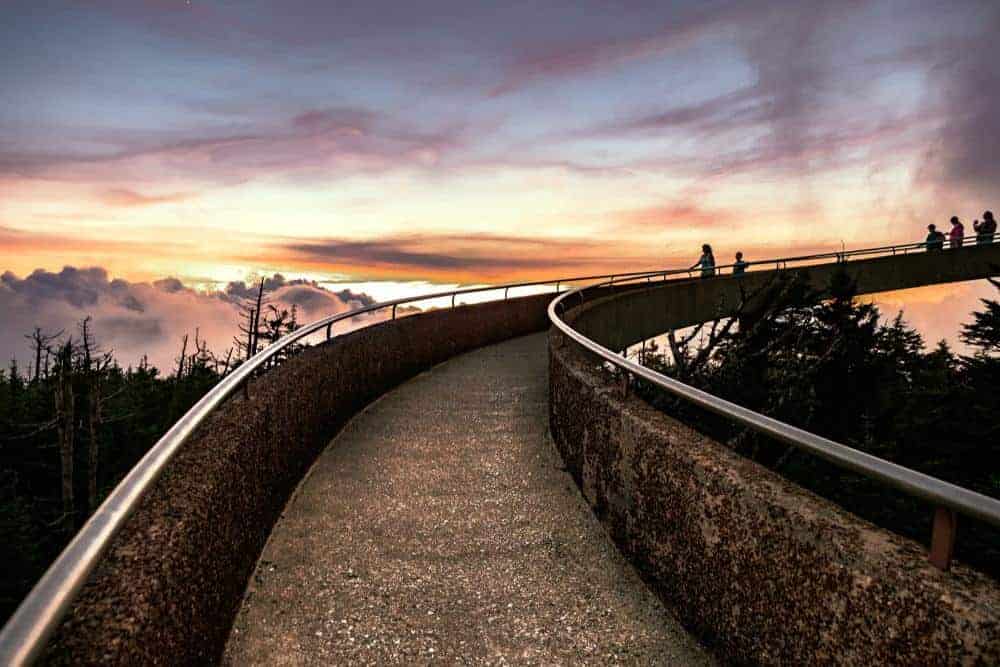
(452, 299)
(943, 538)
(393, 311)
(557, 287)
(626, 376)
(505, 293)
(329, 330)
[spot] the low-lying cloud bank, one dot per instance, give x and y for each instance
(133, 319)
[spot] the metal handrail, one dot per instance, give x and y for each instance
(939, 492)
(25, 633)
(840, 256)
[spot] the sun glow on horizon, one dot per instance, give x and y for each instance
(417, 148)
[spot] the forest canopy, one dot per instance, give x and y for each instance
(834, 366)
(74, 422)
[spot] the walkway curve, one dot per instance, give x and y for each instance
(440, 525)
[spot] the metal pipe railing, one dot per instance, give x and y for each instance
(947, 498)
(839, 256)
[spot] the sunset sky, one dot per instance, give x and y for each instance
(461, 142)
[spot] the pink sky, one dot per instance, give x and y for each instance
(461, 142)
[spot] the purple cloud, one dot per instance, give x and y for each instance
(680, 29)
(483, 254)
(135, 318)
(966, 155)
(326, 142)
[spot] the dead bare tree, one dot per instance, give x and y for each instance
(225, 364)
(92, 368)
(202, 356)
(41, 344)
(687, 362)
(66, 420)
(251, 312)
(182, 359)
(86, 342)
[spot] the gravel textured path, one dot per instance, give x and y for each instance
(439, 527)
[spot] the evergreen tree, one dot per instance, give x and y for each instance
(829, 366)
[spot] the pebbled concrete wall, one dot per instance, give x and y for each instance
(761, 569)
(170, 586)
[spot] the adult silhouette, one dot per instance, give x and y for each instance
(957, 233)
(935, 239)
(706, 262)
(986, 229)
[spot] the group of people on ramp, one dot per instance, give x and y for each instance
(985, 232)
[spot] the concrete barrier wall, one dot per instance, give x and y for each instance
(764, 571)
(169, 588)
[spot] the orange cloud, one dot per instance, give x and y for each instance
(673, 214)
(128, 198)
(937, 311)
(23, 243)
(469, 257)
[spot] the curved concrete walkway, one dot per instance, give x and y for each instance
(439, 526)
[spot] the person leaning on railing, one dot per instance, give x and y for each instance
(706, 262)
(985, 229)
(739, 266)
(957, 233)
(935, 239)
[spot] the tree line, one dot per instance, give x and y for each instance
(832, 365)
(75, 421)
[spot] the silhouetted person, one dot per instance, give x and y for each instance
(935, 239)
(706, 262)
(739, 266)
(957, 233)
(985, 229)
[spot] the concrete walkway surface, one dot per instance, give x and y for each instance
(440, 527)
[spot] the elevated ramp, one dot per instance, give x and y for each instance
(623, 319)
(162, 567)
(440, 525)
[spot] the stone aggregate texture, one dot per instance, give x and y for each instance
(760, 569)
(170, 584)
(440, 527)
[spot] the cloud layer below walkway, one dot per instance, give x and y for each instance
(133, 319)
